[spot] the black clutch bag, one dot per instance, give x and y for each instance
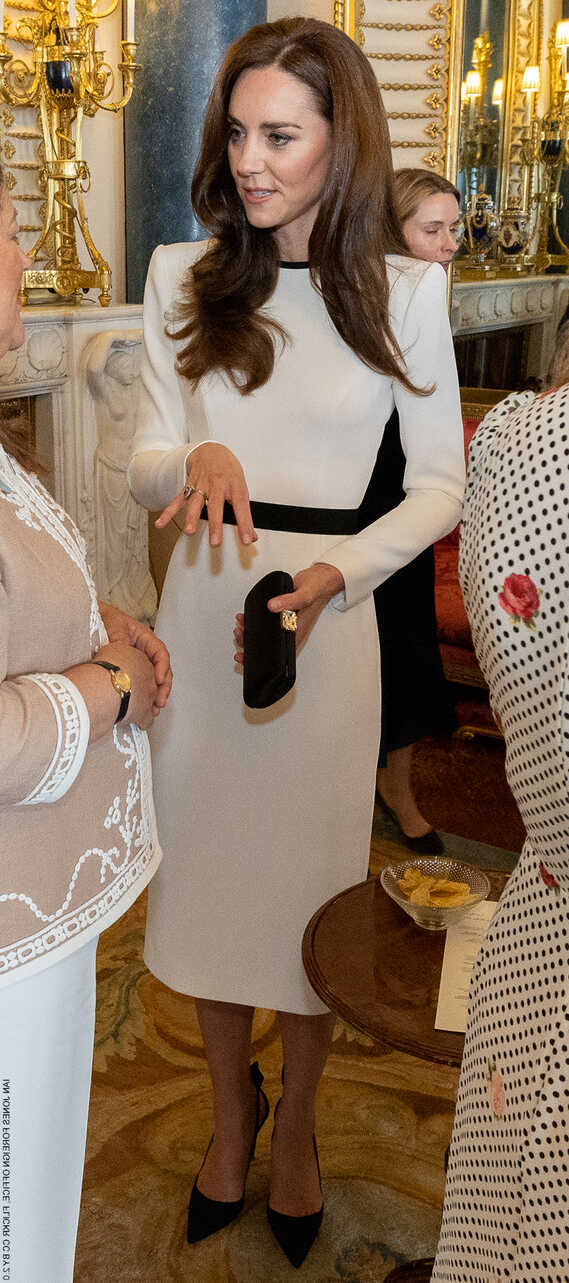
(269, 649)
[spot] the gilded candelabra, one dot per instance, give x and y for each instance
(478, 153)
(478, 131)
(66, 80)
(544, 150)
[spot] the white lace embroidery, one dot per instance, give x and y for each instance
(73, 728)
(91, 918)
(122, 864)
(36, 507)
(123, 814)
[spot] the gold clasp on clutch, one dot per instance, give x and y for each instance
(289, 620)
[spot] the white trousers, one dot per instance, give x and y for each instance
(46, 1052)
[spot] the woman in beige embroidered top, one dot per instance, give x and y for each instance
(77, 829)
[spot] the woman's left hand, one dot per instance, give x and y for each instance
(124, 628)
(313, 589)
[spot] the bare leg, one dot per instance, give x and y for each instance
(394, 785)
(226, 1033)
(295, 1188)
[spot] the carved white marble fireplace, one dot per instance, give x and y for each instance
(81, 365)
(535, 303)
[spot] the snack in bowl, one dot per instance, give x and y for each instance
(435, 890)
(422, 888)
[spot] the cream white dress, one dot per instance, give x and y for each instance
(264, 815)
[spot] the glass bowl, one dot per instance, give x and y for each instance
(436, 917)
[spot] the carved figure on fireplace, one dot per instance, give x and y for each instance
(121, 530)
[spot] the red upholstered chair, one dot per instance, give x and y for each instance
(455, 639)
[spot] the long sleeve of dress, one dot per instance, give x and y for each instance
(165, 406)
(432, 439)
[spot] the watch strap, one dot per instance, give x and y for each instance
(125, 695)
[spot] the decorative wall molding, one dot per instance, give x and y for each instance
(21, 139)
(423, 48)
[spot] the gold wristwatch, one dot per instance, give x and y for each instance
(122, 684)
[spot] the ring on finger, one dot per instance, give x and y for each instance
(189, 490)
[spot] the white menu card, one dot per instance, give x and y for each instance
(461, 949)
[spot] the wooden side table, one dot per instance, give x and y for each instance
(370, 963)
(373, 967)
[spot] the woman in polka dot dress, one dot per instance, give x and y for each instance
(506, 1213)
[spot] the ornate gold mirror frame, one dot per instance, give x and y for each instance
(525, 42)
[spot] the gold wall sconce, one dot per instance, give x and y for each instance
(66, 80)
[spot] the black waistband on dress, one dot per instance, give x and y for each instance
(304, 521)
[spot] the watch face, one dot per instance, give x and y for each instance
(121, 681)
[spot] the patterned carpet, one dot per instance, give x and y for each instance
(384, 1119)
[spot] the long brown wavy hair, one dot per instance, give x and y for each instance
(15, 429)
(218, 313)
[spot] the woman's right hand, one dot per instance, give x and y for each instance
(103, 701)
(217, 477)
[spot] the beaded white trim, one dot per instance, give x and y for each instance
(124, 814)
(124, 863)
(73, 729)
(92, 917)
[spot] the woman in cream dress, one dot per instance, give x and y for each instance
(266, 814)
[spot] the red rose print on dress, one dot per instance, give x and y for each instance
(496, 1089)
(549, 879)
(520, 599)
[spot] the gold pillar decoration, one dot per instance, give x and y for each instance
(347, 16)
(67, 80)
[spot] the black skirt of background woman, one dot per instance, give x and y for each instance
(415, 698)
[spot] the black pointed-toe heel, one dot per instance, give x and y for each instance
(429, 843)
(296, 1234)
(208, 1215)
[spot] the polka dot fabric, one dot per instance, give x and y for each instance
(506, 1212)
